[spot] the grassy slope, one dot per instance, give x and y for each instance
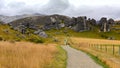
(11, 34)
(86, 34)
(59, 55)
(8, 34)
(60, 35)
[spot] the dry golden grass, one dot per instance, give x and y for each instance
(26, 55)
(107, 58)
(95, 41)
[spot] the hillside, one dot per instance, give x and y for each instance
(8, 34)
(12, 39)
(39, 21)
(8, 19)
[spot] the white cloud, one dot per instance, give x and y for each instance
(96, 3)
(90, 8)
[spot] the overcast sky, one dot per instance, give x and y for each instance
(91, 8)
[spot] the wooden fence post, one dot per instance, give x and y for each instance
(89, 45)
(106, 48)
(113, 49)
(119, 49)
(98, 47)
(101, 47)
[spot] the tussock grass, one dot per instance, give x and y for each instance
(26, 55)
(95, 41)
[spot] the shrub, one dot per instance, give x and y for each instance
(18, 39)
(104, 36)
(35, 40)
(1, 38)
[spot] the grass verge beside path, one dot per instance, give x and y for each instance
(60, 60)
(31, 55)
(96, 59)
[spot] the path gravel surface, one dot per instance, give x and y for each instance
(79, 59)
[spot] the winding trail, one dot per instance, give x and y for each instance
(78, 59)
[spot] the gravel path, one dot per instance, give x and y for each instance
(78, 59)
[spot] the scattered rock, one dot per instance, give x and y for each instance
(41, 33)
(61, 25)
(111, 38)
(38, 31)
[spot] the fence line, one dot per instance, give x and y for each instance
(113, 49)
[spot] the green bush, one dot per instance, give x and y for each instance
(35, 40)
(1, 38)
(18, 39)
(104, 36)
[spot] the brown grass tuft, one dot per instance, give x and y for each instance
(26, 55)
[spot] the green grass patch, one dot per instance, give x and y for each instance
(60, 60)
(85, 34)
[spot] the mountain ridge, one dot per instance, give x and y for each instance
(8, 19)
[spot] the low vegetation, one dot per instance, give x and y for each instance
(60, 60)
(16, 54)
(95, 34)
(31, 55)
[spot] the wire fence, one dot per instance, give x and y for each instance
(111, 49)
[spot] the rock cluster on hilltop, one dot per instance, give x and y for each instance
(105, 25)
(46, 22)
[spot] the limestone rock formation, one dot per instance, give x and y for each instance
(81, 24)
(45, 22)
(41, 33)
(105, 25)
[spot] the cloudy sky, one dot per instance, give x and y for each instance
(91, 8)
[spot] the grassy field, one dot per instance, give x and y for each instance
(31, 55)
(7, 34)
(95, 34)
(108, 59)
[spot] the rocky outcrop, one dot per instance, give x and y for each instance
(81, 24)
(56, 22)
(41, 33)
(105, 25)
(47, 22)
(44, 22)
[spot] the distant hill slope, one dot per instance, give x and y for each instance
(8, 19)
(6, 33)
(1, 22)
(40, 20)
